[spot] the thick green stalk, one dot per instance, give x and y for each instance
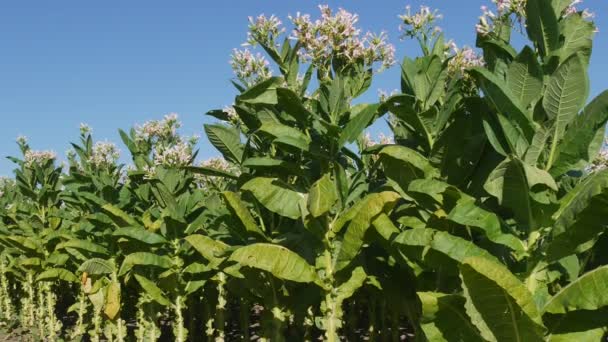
(6, 304)
(52, 322)
(79, 330)
(220, 309)
(180, 333)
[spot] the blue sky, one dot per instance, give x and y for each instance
(114, 63)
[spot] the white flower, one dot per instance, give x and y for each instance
(179, 154)
(22, 140)
(154, 130)
(249, 68)
(420, 23)
(264, 30)
(231, 113)
(104, 155)
(40, 158)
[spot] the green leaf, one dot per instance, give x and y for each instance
(444, 318)
(119, 217)
(212, 250)
(578, 37)
(278, 260)
(423, 243)
(374, 205)
(140, 234)
(566, 93)
(349, 287)
(541, 25)
(264, 92)
(291, 104)
(525, 77)
(511, 182)
(360, 117)
(242, 212)
(96, 266)
(499, 305)
(584, 137)
(144, 259)
(588, 292)
(209, 171)
(276, 196)
(403, 165)
(152, 290)
(516, 122)
(322, 196)
(57, 274)
(112, 303)
(580, 217)
(227, 140)
(286, 135)
(83, 245)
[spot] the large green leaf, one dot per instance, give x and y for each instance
(144, 259)
(361, 116)
(242, 212)
(276, 196)
(291, 104)
(85, 245)
(511, 183)
(403, 165)
(96, 266)
(566, 93)
(286, 135)
(588, 292)
(227, 140)
(212, 250)
(444, 318)
(578, 37)
(118, 216)
(542, 26)
(584, 137)
(374, 205)
(322, 196)
(264, 92)
(499, 305)
(140, 234)
(525, 77)
(152, 290)
(438, 249)
(516, 122)
(580, 217)
(278, 260)
(52, 274)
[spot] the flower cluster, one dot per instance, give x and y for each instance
(249, 68)
(335, 36)
(420, 24)
(85, 129)
(178, 154)
(231, 113)
(367, 141)
(40, 158)
(104, 155)
(217, 163)
(263, 30)
(504, 10)
(383, 95)
(22, 140)
(155, 130)
(601, 162)
(463, 59)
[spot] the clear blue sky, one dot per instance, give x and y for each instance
(114, 63)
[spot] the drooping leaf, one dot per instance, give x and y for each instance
(588, 292)
(152, 290)
(96, 266)
(52, 274)
(210, 249)
(499, 305)
(140, 234)
(240, 210)
(278, 260)
(444, 318)
(322, 196)
(118, 216)
(276, 196)
(144, 259)
(285, 134)
(112, 304)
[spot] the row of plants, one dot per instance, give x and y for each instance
(481, 219)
